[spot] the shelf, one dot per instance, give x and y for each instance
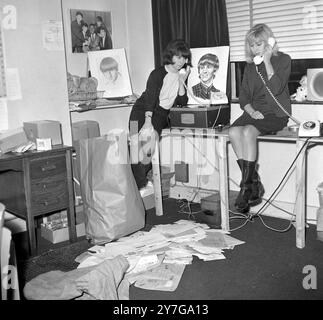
(96, 105)
(293, 102)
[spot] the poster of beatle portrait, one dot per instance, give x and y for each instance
(110, 68)
(208, 78)
(90, 30)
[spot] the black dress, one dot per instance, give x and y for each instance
(253, 91)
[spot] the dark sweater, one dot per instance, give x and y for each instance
(254, 92)
(149, 99)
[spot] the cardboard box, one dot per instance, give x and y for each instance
(85, 129)
(82, 130)
(149, 201)
(44, 129)
(60, 235)
(11, 139)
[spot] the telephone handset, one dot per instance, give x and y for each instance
(259, 59)
(183, 70)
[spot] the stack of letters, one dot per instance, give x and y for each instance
(157, 258)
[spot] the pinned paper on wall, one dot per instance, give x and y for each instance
(52, 32)
(13, 84)
(3, 115)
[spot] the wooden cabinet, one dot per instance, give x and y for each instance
(38, 183)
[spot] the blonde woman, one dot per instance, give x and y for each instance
(261, 113)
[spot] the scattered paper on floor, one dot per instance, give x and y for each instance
(157, 258)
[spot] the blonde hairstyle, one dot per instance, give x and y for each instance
(259, 32)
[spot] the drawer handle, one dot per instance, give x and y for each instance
(46, 203)
(48, 167)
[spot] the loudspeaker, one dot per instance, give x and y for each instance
(315, 84)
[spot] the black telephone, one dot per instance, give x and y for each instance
(259, 59)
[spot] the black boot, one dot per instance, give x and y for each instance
(257, 190)
(242, 201)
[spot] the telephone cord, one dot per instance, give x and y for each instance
(275, 99)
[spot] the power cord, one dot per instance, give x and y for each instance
(251, 216)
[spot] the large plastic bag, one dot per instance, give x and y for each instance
(112, 203)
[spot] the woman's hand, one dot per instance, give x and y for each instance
(146, 137)
(268, 53)
(183, 74)
(257, 115)
(147, 129)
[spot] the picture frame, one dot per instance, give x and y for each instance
(208, 78)
(90, 30)
(110, 68)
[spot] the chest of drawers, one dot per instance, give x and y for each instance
(34, 184)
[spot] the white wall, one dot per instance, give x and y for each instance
(132, 30)
(141, 48)
(77, 62)
(42, 72)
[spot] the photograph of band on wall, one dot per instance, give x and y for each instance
(90, 30)
(110, 68)
(208, 78)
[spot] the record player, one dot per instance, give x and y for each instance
(200, 116)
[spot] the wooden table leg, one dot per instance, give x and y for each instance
(30, 221)
(71, 203)
(157, 180)
(223, 181)
(300, 208)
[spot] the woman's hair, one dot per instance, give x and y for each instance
(259, 32)
(209, 59)
(108, 64)
(177, 48)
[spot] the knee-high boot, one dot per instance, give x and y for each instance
(242, 201)
(257, 190)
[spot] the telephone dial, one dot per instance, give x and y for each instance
(311, 128)
(259, 59)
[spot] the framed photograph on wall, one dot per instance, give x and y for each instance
(208, 78)
(110, 68)
(90, 30)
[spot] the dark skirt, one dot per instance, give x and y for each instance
(269, 125)
(159, 119)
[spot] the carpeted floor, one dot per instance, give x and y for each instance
(267, 267)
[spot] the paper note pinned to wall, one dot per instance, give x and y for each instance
(3, 115)
(13, 84)
(52, 32)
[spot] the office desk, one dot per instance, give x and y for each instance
(222, 139)
(35, 183)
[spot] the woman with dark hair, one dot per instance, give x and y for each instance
(264, 86)
(149, 115)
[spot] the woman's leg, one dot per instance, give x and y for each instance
(237, 141)
(252, 185)
(250, 150)
(244, 143)
(139, 169)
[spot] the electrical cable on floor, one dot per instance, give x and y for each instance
(290, 167)
(268, 202)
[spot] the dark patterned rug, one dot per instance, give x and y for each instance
(62, 258)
